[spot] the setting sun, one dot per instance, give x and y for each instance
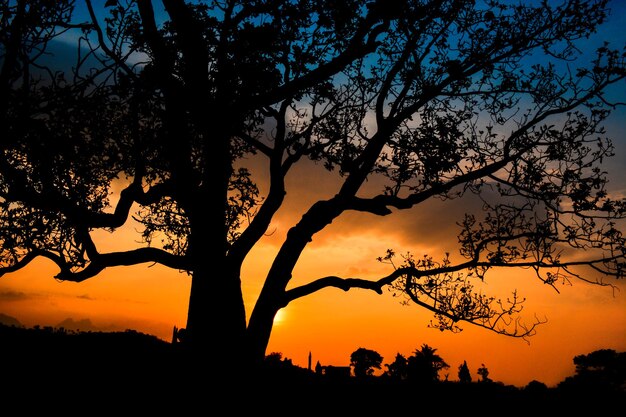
(280, 317)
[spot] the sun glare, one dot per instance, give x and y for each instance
(280, 317)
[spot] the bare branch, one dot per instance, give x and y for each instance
(29, 257)
(131, 257)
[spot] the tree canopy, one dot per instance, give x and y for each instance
(365, 361)
(437, 99)
(601, 371)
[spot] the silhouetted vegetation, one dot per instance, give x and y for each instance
(603, 370)
(138, 371)
(183, 108)
(464, 374)
(424, 365)
(53, 368)
(484, 373)
(365, 361)
(398, 368)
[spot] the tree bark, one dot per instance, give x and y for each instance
(215, 320)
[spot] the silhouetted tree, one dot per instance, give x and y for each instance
(274, 358)
(601, 370)
(602, 361)
(483, 372)
(536, 387)
(464, 373)
(425, 364)
(364, 361)
(398, 368)
(275, 361)
(438, 99)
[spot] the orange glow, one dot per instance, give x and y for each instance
(331, 324)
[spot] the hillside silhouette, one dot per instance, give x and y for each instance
(55, 367)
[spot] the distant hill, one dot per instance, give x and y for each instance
(47, 350)
(52, 368)
(9, 321)
(82, 324)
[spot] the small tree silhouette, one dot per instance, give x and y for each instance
(398, 368)
(425, 364)
(364, 361)
(484, 373)
(274, 359)
(464, 373)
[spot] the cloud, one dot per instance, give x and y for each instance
(85, 297)
(434, 223)
(10, 295)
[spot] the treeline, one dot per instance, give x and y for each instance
(601, 371)
(37, 356)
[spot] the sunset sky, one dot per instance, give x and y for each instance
(331, 324)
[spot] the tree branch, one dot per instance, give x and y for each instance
(48, 199)
(275, 196)
(29, 257)
(255, 143)
(126, 258)
(103, 45)
(376, 285)
(345, 284)
(362, 44)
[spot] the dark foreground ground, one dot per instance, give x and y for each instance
(46, 371)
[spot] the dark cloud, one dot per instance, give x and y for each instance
(85, 297)
(9, 295)
(435, 223)
(432, 224)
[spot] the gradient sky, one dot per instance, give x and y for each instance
(331, 324)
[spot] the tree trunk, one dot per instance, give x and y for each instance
(215, 321)
(216, 317)
(269, 302)
(259, 331)
(272, 295)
